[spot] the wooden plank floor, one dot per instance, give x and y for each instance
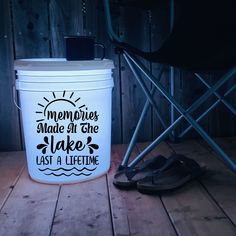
(203, 207)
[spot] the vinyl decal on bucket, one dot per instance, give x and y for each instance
(67, 127)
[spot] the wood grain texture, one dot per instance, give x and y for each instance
(68, 18)
(222, 122)
(38, 28)
(229, 144)
(192, 88)
(134, 213)
(11, 166)
(65, 19)
(31, 32)
(9, 119)
(219, 182)
(101, 36)
(161, 149)
(90, 18)
(30, 25)
(83, 209)
(193, 212)
(191, 209)
(133, 98)
(29, 209)
(96, 207)
(219, 121)
(119, 211)
(159, 29)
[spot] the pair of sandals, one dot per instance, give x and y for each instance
(159, 174)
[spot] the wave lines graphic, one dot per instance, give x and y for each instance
(74, 168)
(68, 174)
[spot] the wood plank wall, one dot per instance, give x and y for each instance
(9, 120)
(36, 28)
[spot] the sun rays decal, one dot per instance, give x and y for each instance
(67, 127)
(55, 99)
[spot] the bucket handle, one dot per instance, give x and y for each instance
(14, 97)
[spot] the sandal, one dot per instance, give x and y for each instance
(177, 171)
(128, 177)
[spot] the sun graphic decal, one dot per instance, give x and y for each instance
(55, 100)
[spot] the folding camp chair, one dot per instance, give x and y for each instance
(202, 39)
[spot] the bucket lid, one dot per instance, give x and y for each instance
(61, 64)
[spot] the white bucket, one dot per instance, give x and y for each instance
(66, 110)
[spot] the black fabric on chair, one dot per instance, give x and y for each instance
(203, 36)
(143, 4)
(202, 39)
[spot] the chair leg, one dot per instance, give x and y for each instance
(147, 93)
(139, 125)
(227, 104)
(133, 140)
(197, 103)
(157, 141)
(161, 88)
(172, 108)
(211, 142)
(207, 111)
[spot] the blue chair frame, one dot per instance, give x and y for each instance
(136, 65)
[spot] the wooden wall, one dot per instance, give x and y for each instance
(36, 28)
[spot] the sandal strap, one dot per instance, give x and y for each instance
(131, 172)
(188, 163)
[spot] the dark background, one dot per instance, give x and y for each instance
(31, 29)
